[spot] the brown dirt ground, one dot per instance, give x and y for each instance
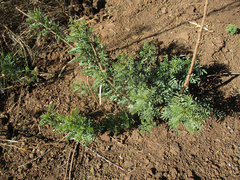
(27, 152)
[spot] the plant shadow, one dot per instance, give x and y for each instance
(211, 87)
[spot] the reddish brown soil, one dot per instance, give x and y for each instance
(27, 152)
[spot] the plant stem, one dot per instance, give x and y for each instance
(186, 84)
(95, 99)
(70, 170)
(103, 70)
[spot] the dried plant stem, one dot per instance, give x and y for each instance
(186, 84)
(103, 157)
(19, 41)
(12, 141)
(70, 170)
(67, 165)
(7, 88)
(95, 99)
(103, 70)
(24, 150)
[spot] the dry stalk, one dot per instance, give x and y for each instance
(67, 165)
(70, 170)
(95, 99)
(18, 40)
(186, 84)
(103, 70)
(22, 149)
(12, 141)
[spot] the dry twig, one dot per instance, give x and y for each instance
(24, 150)
(103, 70)
(186, 84)
(67, 165)
(70, 170)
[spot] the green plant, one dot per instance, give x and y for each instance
(184, 109)
(44, 24)
(14, 70)
(141, 83)
(117, 122)
(232, 29)
(148, 87)
(77, 127)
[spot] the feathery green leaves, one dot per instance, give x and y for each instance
(147, 86)
(75, 126)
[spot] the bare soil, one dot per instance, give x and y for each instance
(27, 152)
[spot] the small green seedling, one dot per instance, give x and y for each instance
(232, 29)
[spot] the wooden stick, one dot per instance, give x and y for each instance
(186, 84)
(67, 164)
(70, 170)
(24, 150)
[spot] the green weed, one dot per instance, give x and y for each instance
(75, 126)
(232, 29)
(15, 71)
(148, 87)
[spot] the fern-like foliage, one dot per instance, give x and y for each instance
(141, 83)
(14, 71)
(184, 109)
(44, 24)
(232, 29)
(75, 126)
(117, 122)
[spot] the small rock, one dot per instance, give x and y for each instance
(105, 137)
(31, 155)
(105, 165)
(184, 36)
(164, 10)
(127, 177)
(174, 149)
(146, 161)
(235, 159)
(128, 164)
(182, 133)
(173, 173)
(101, 27)
(189, 173)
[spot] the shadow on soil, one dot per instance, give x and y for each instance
(227, 102)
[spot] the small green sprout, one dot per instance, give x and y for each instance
(232, 29)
